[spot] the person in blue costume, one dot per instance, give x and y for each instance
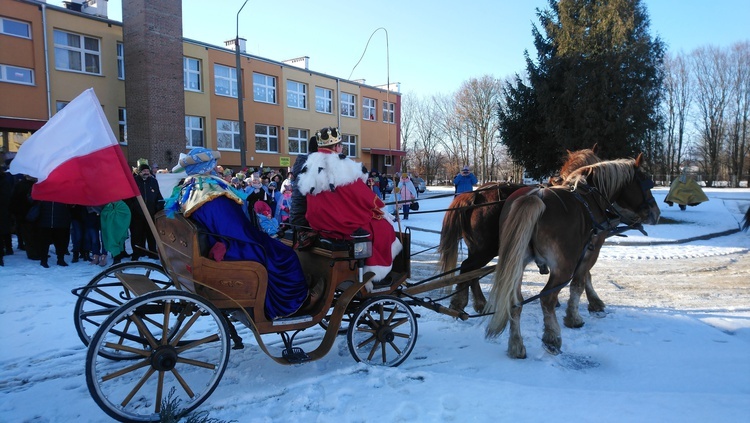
(209, 200)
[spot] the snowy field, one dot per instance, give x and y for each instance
(673, 347)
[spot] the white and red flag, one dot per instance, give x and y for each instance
(76, 157)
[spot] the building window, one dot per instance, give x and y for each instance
(348, 102)
(120, 61)
(225, 79)
(59, 105)
(264, 88)
(297, 141)
(350, 145)
(193, 131)
(323, 100)
(15, 28)
(16, 75)
(296, 94)
(122, 123)
(389, 112)
(77, 53)
(388, 160)
(227, 135)
(191, 74)
(266, 139)
(368, 108)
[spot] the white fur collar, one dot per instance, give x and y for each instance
(322, 171)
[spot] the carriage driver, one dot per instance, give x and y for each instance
(208, 199)
(339, 202)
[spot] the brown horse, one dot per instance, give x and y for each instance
(563, 227)
(475, 218)
(746, 220)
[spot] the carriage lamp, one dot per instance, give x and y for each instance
(361, 244)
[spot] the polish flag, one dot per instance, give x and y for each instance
(76, 157)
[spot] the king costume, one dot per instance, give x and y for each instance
(339, 202)
(209, 200)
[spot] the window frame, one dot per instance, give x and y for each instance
(300, 95)
(389, 111)
(122, 124)
(12, 34)
(81, 50)
(349, 142)
(267, 136)
(222, 133)
(268, 90)
(120, 60)
(190, 130)
(323, 100)
(348, 106)
(369, 111)
(4, 71)
(301, 138)
(187, 72)
(232, 89)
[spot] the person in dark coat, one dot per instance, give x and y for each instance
(21, 202)
(140, 231)
(6, 192)
(54, 228)
(299, 201)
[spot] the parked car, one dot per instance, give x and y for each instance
(419, 184)
(389, 189)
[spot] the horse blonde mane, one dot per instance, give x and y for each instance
(608, 177)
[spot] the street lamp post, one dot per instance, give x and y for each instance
(240, 108)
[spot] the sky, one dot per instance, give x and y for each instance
(643, 362)
(432, 47)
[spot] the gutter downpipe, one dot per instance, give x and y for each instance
(338, 118)
(46, 60)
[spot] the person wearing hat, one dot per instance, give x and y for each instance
(209, 200)
(408, 194)
(464, 181)
(339, 202)
(141, 237)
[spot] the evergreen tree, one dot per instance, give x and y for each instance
(596, 80)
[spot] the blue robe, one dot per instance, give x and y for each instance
(287, 289)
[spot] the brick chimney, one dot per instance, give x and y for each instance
(152, 38)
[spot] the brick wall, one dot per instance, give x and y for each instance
(152, 37)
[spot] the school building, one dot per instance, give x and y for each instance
(50, 54)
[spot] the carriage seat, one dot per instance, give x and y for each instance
(228, 284)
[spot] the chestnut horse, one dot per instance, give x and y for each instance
(475, 218)
(563, 227)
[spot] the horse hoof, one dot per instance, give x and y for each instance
(551, 349)
(573, 323)
(519, 353)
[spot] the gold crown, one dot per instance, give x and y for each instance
(328, 136)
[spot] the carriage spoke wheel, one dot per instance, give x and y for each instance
(97, 300)
(382, 332)
(187, 362)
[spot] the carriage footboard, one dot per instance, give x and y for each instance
(137, 284)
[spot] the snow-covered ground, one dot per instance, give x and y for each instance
(674, 346)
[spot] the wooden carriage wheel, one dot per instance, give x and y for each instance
(383, 332)
(134, 390)
(100, 297)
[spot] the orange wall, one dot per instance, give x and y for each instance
(16, 100)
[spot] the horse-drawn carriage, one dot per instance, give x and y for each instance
(153, 328)
(157, 330)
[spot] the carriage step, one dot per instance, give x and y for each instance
(292, 320)
(295, 355)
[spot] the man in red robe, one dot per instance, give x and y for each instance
(339, 202)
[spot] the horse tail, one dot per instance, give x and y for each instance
(516, 234)
(746, 221)
(451, 233)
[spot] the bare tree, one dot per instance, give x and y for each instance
(675, 107)
(476, 106)
(739, 110)
(712, 93)
(409, 105)
(427, 155)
